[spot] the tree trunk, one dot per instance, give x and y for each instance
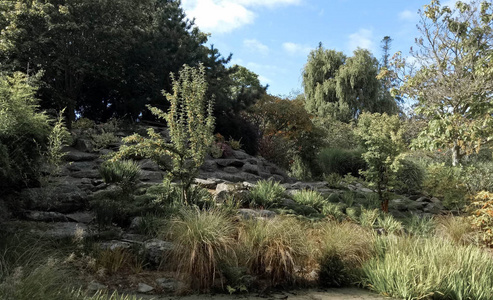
(456, 155)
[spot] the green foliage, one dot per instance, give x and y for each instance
(190, 129)
(389, 224)
(300, 170)
(340, 161)
(266, 194)
(287, 129)
(457, 229)
(416, 268)
(410, 177)
(24, 131)
(368, 218)
(337, 87)
(56, 141)
(334, 210)
(275, 248)
(246, 88)
(446, 182)
(105, 71)
(381, 137)
(420, 226)
(454, 52)
(124, 173)
(203, 240)
(235, 144)
(310, 198)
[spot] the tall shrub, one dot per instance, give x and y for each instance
(382, 138)
(190, 125)
(24, 131)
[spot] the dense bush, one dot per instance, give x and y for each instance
(446, 182)
(482, 216)
(341, 161)
(410, 177)
(239, 128)
(24, 131)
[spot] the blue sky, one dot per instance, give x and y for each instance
(273, 37)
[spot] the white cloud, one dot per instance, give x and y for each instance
(362, 39)
(296, 49)
(221, 16)
(408, 15)
(256, 46)
(264, 80)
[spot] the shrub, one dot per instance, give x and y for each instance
(24, 132)
(445, 182)
(410, 177)
(310, 198)
(340, 161)
(417, 268)
(334, 210)
(420, 226)
(368, 218)
(344, 247)
(481, 217)
(389, 224)
(235, 144)
(238, 127)
(190, 126)
(203, 239)
(277, 248)
(266, 194)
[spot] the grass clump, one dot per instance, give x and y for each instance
(344, 247)
(121, 172)
(310, 198)
(456, 229)
(417, 268)
(266, 194)
(277, 248)
(203, 239)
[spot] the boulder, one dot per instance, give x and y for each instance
(169, 285)
(209, 166)
(206, 183)
(144, 288)
(76, 155)
(84, 145)
(240, 154)
(114, 245)
(231, 170)
(63, 230)
(156, 250)
(46, 216)
(148, 165)
(229, 162)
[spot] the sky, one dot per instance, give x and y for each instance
(274, 37)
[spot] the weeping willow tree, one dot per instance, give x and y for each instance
(341, 87)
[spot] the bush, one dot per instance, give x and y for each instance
(341, 161)
(203, 240)
(266, 194)
(237, 127)
(344, 247)
(24, 132)
(410, 177)
(277, 248)
(417, 268)
(446, 182)
(481, 217)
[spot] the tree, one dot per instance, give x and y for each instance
(382, 138)
(341, 87)
(454, 83)
(246, 89)
(190, 126)
(100, 58)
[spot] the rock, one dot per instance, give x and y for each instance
(96, 286)
(46, 216)
(135, 223)
(64, 230)
(248, 185)
(62, 197)
(288, 202)
(156, 250)
(81, 165)
(169, 285)
(229, 162)
(144, 288)
(84, 145)
(249, 168)
(365, 190)
(240, 154)
(248, 213)
(86, 174)
(209, 166)
(149, 165)
(423, 199)
(76, 155)
(431, 208)
(228, 187)
(82, 217)
(231, 170)
(133, 238)
(151, 176)
(114, 245)
(206, 183)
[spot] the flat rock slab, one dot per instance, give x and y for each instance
(329, 294)
(63, 230)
